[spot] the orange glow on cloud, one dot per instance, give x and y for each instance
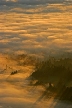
(37, 30)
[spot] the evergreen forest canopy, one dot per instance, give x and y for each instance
(56, 76)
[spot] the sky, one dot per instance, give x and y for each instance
(39, 27)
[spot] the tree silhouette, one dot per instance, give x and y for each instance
(57, 72)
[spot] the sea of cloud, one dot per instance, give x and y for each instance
(35, 26)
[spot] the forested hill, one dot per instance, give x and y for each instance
(56, 76)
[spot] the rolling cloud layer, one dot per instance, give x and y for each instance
(36, 26)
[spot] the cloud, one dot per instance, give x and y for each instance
(29, 2)
(35, 29)
(38, 2)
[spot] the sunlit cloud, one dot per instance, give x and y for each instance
(37, 28)
(34, 29)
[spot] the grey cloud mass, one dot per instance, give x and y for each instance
(30, 2)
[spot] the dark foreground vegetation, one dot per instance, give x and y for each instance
(55, 75)
(14, 72)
